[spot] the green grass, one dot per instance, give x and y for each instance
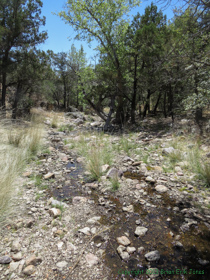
(199, 166)
(115, 183)
(66, 128)
(97, 150)
(17, 146)
(54, 122)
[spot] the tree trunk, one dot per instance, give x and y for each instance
(164, 105)
(156, 105)
(120, 111)
(146, 107)
(17, 96)
(170, 102)
(133, 102)
(64, 93)
(111, 111)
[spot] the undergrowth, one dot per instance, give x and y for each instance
(19, 143)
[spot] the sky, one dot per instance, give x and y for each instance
(61, 35)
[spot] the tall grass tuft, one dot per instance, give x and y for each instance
(199, 166)
(18, 143)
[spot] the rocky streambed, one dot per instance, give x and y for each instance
(69, 227)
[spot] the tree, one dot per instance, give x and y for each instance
(19, 26)
(105, 22)
(60, 62)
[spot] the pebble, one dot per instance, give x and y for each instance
(5, 260)
(129, 209)
(152, 256)
(28, 270)
(131, 250)
(91, 259)
(61, 264)
(141, 231)
(161, 188)
(55, 212)
(123, 240)
(85, 230)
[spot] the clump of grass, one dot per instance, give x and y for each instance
(94, 164)
(54, 122)
(175, 157)
(66, 128)
(199, 166)
(15, 151)
(115, 183)
(126, 145)
(97, 150)
(33, 139)
(15, 137)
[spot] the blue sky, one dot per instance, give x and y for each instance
(61, 35)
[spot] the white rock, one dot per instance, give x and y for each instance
(91, 259)
(161, 188)
(123, 240)
(61, 264)
(85, 230)
(55, 212)
(152, 256)
(150, 179)
(141, 231)
(129, 209)
(94, 220)
(131, 250)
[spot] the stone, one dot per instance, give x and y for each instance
(13, 266)
(152, 256)
(55, 202)
(177, 169)
(152, 272)
(60, 245)
(104, 167)
(129, 209)
(141, 231)
(136, 163)
(141, 250)
(94, 220)
(27, 174)
(126, 158)
(120, 249)
(203, 262)
(114, 172)
(33, 260)
(17, 257)
(124, 255)
(130, 250)
(58, 232)
(91, 259)
(55, 212)
(157, 169)
(150, 179)
(61, 264)
(178, 244)
(15, 246)
(5, 260)
(49, 176)
(161, 188)
(85, 230)
(123, 240)
(168, 151)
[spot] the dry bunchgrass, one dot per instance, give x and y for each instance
(19, 141)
